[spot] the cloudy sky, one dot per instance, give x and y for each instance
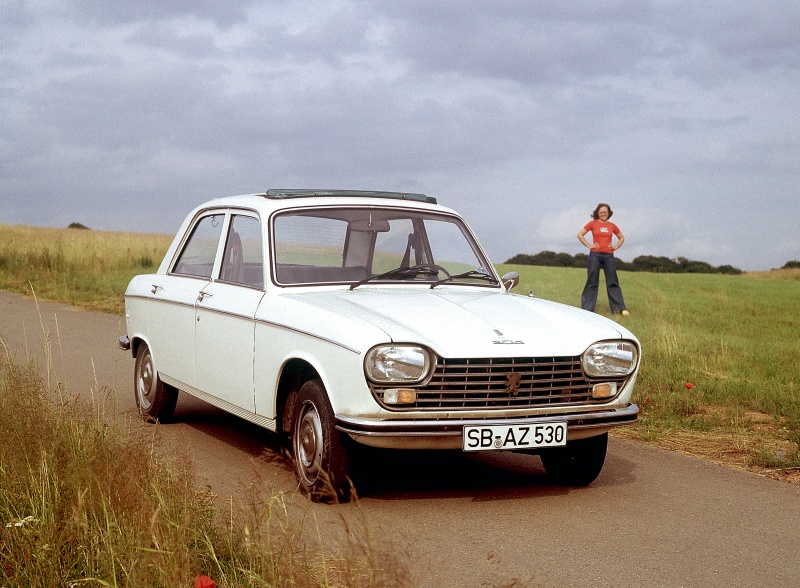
(520, 114)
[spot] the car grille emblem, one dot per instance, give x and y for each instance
(512, 383)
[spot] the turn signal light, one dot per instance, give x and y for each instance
(604, 390)
(400, 396)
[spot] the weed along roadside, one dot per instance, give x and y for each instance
(87, 498)
(733, 338)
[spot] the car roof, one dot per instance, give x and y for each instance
(283, 193)
(281, 199)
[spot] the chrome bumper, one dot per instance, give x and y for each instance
(453, 428)
(124, 343)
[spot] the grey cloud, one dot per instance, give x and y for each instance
(536, 106)
(104, 12)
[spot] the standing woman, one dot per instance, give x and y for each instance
(601, 255)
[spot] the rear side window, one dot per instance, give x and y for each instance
(197, 256)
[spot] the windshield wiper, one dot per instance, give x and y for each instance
(399, 272)
(470, 274)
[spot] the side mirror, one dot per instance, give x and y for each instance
(510, 280)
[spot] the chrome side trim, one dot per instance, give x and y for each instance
(196, 306)
(160, 300)
(300, 331)
(259, 420)
(448, 428)
(225, 313)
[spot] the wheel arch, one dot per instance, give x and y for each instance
(136, 342)
(294, 374)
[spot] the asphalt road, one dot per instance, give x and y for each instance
(653, 518)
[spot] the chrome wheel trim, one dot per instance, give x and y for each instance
(145, 381)
(308, 444)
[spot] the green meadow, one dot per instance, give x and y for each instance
(81, 502)
(720, 374)
(720, 370)
(86, 268)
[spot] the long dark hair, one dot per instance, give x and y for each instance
(595, 214)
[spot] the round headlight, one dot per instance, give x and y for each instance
(386, 364)
(610, 359)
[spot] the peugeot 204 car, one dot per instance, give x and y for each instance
(342, 317)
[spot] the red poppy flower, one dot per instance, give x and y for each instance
(203, 582)
(689, 385)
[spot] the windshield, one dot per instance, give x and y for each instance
(375, 245)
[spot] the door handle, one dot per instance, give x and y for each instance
(202, 295)
(156, 288)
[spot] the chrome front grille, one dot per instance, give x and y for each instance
(503, 383)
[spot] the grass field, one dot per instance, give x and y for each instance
(89, 499)
(86, 268)
(720, 372)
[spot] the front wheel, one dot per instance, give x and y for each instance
(154, 399)
(321, 462)
(578, 463)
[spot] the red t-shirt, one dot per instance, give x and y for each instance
(602, 234)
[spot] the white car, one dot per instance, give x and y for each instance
(342, 317)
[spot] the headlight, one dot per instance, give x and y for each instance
(387, 364)
(610, 359)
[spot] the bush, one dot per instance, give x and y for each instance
(643, 263)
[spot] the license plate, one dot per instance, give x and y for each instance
(494, 437)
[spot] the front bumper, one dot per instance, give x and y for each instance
(448, 433)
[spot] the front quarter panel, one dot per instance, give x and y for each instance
(332, 343)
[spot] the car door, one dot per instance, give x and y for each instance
(225, 316)
(175, 294)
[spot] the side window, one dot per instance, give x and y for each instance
(243, 261)
(197, 257)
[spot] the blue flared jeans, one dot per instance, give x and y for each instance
(609, 265)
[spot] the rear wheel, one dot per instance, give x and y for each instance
(321, 461)
(154, 399)
(578, 463)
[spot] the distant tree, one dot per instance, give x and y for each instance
(729, 269)
(550, 259)
(794, 264)
(623, 265)
(78, 226)
(694, 267)
(652, 263)
(522, 259)
(643, 263)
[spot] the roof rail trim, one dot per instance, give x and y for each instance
(280, 194)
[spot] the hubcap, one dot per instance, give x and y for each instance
(145, 381)
(308, 444)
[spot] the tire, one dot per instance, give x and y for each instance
(578, 463)
(321, 461)
(154, 399)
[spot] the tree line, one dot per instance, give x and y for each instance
(642, 263)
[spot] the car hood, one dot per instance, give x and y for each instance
(468, 322)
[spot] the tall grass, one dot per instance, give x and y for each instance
(85, 268)
(86, 499)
